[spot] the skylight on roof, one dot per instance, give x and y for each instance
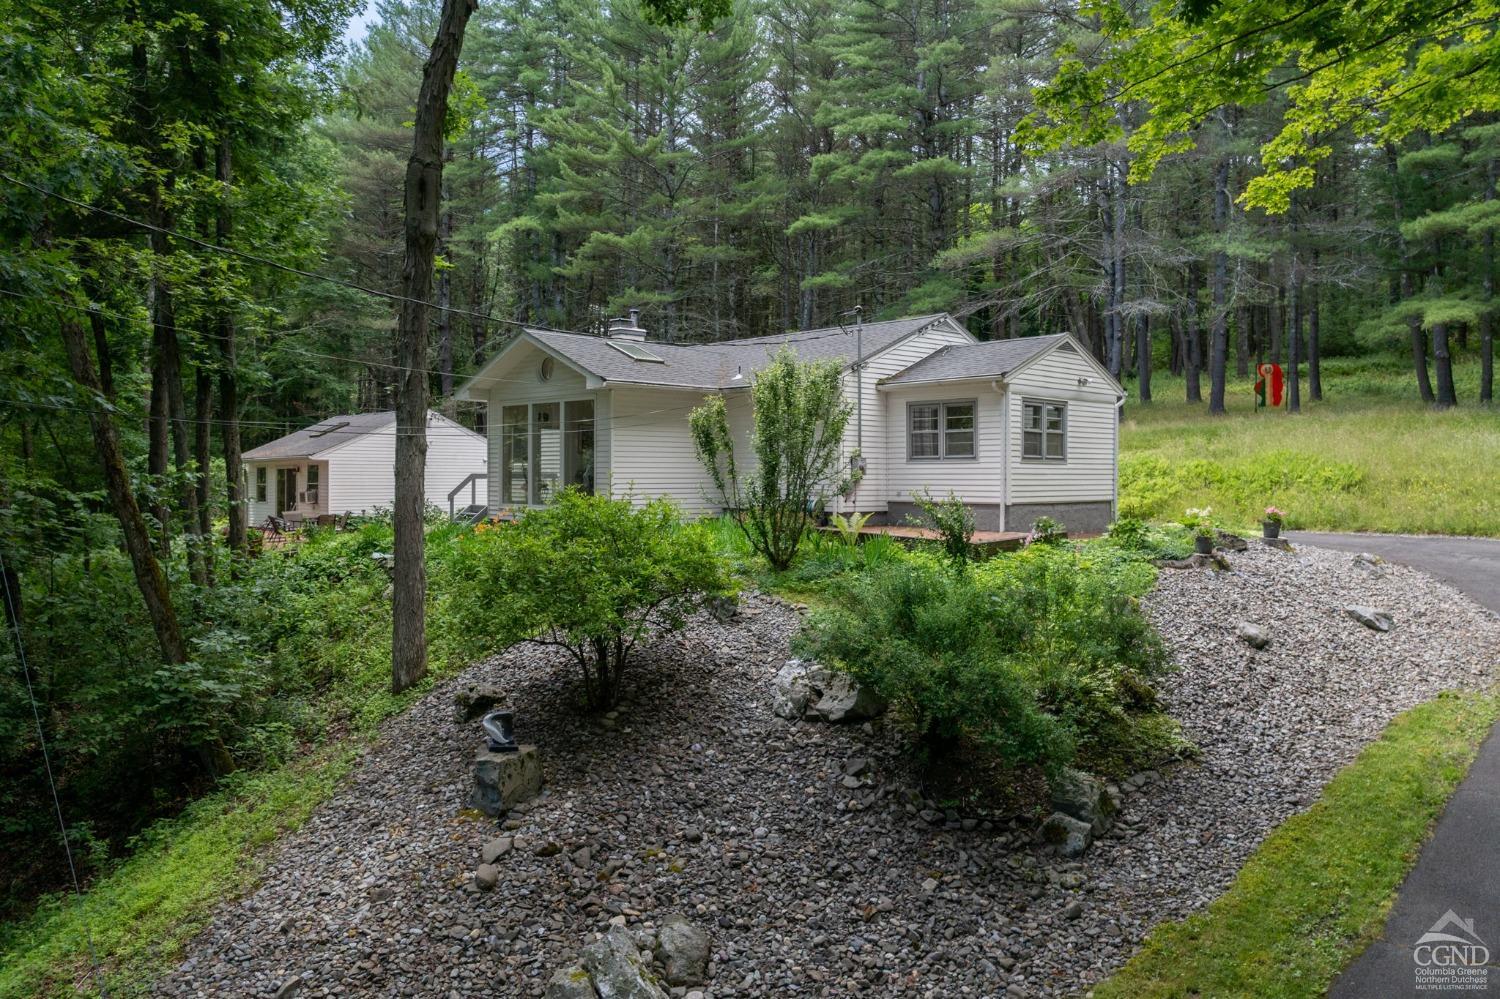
(635, 351)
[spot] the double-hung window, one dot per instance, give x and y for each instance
(260, 483)
(936, 430)
(1044, 430)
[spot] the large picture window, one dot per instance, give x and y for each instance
(936, 430)
(1044, 430)
(544, 447)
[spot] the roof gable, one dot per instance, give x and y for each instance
(725, 364)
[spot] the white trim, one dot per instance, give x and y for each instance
(1078, 348)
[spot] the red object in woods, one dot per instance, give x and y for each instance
(1270, 377)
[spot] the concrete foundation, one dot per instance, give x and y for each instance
(504, 780)
(986, 515)
(1076, 518)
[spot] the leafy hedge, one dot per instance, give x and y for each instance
(1041, 657)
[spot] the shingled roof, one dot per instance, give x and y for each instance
(711, 366)
(325, 435)
(991, 359)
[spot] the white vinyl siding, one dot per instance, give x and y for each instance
(259, 509)
(652, 452)
(361, 475)
(883, 418)
(1090, 422)
(977, 479)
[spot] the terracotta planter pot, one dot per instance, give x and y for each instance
(1270, 528)
(1203, 546)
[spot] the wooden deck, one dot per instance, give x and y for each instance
(988, 542)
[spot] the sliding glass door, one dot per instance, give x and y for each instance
(578, 444)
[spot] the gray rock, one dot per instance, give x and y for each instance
(581, 856)
(1070, 836)
(495, 849)
(290, 987)
(1252, 635)
(1374, 563)
(1194, 561)
(570, 983)
(486, 876)
(474, 700)
(844, 700)
(504, 780)
(1081, 796)
(682, 949)
(616, 967)
(1280, 544)
(1230, 542)
(857, 766)
(797, 684)
(1371, 617)
(1073, 911)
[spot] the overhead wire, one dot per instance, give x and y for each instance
(13, 616)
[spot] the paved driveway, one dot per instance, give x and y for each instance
(1459, 869)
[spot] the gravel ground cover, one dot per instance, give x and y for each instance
(812, 880)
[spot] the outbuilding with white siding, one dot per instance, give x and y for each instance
(1017, 428)
(347, 465)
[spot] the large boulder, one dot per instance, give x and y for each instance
(808, 690)
(682, 949)
(1069, 835)
(844, 700)
(617, 970)
(1371, 617)
(1083, 797)
(797, 684)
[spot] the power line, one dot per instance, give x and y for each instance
(264, 261)
(12, 608)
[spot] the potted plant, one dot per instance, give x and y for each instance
(1201, 523)
(1270, 527)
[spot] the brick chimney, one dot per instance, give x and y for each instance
(627, 329)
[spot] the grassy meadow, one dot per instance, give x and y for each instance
(1369, 457)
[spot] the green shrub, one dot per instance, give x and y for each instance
(953, 522)
(1046, 531)
(797, 439)
(1039, 657)
(935, 645)
(587, 574)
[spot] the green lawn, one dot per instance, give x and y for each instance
(1318, 889)
(1367, 458)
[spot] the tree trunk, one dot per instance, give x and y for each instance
(1192, 350)
(1487, 318)
(203, 404)
(445, 317)
(1219, 348)
(1143, 358)
(1242, 342)
(229, 394)
(1442, 360)
(149, 577)
(424, 187)
(1294, 340)
(1413, 324)
(1314, 344)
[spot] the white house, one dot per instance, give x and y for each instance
(347, 464)
(1016, 428)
